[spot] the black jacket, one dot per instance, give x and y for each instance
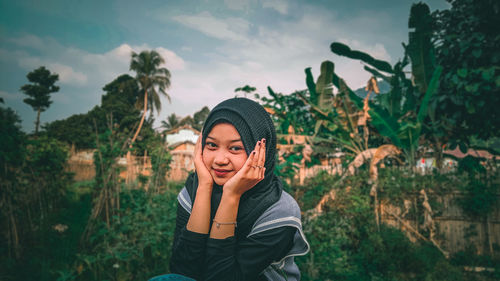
(235, 258)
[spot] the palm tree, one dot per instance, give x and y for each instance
(152, 81)
(171, 122)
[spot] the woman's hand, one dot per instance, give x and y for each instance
(250, 174)
(204, 177)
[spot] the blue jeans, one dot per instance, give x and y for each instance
(171, 277)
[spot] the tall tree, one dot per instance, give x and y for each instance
(39, 91)
(171, 122)
(468, 47)
(119, 101)
(152, 80)
(199, 118)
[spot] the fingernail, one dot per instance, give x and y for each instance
(253, 152)
(258, 143)
(264, 140)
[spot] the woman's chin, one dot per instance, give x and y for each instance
(220, 181)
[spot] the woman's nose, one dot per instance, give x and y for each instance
(221, 158)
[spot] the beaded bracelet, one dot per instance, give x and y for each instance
(218, 224)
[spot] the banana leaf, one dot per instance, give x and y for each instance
(433, 85)
(323, 86)
(344, 50)
(354, 98)
(420, 48)
(385, 124)
(311, 86)
(376, 73)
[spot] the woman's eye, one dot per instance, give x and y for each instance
(236, 148)
(211, 145)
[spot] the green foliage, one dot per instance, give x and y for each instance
(468, 48)
(196, 121)
(172, 122)
(39, 91)
(118, 103)
(290, 110)
(469, 257)
(137, 246)
(199, 118)
(324, 86)
(160, 162)
(346, 244)
(32, 188)
(245, 89)
(152, 79)
(401, 113)
(313, 189)
(11, 141)
(288, 168)
(480, 188)
(343, 50)
(420, 48)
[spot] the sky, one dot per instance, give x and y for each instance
(210, 47)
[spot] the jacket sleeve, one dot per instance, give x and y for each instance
(188, 249)
(245, 259)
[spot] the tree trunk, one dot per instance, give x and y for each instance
(142, 118)
(129, 158)
(438, 154)
(37, 122)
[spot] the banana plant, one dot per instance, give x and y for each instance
(336, 115)
(400, 114)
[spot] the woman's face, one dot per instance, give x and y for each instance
(224, 154)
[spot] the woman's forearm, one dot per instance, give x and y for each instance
(225, 217)
(199, 220)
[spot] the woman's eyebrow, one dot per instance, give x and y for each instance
(209, 137)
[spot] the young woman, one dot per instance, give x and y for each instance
(234, 221)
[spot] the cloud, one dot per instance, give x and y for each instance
(172, 60)
(67, 74)
(230, 28)
(237, 5)
(280, 6)
(29, 40)
(11, 96)
(273, 56)
(93, 68)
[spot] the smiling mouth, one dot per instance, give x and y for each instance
(221, 173)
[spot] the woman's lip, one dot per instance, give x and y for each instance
(221, 173)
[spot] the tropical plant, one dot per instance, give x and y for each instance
(199, 118)
(401, 113)
(38, 92)
(152, 80)
(118, 102)
(135, 247)
(335, 113)
(172, 122)
(289, 111)
(245, 89)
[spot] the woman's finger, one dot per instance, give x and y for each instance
(255, 162)
(262, 153)
(197, 148)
